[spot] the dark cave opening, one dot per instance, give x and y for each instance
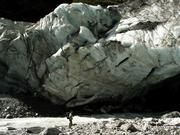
(165, 95)
(160, 97)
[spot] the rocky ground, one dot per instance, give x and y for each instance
(121, 124)
(12, 108)
(13, 113)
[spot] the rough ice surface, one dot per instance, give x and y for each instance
(80, 54)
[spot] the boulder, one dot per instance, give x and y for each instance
(80, 54)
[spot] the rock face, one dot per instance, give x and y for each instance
(79, 54)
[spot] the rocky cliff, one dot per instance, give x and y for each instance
(80, 54)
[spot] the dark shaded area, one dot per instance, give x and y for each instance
(28, 10)
(33, 10)
(42, 106)
(165, 95)
(160, 97)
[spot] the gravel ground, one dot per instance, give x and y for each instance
(116, 124)
(168, 124)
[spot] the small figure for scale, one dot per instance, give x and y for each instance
(70, 118)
